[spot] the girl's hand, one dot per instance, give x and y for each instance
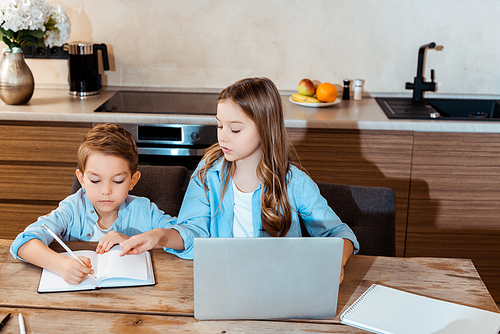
(141, 242)
(346, 254)
(72, 271)
(109, 240)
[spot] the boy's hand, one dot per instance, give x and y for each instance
(141, 242)
(109, 240)
(72, 271)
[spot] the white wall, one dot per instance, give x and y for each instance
(203, 44)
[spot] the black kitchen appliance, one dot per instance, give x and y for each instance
(83, 62)
(181, 103)
(171, 143)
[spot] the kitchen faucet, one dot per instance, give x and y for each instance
(419, 84)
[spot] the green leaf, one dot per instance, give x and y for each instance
(29, 40)
(8, 42)
(38, 33)
(7, 33)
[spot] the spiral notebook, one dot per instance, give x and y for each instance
(386, 310)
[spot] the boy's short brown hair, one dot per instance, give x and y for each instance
(109, 139)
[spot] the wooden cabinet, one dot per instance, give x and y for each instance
(360, 157)
(454, 207)
(37, 164)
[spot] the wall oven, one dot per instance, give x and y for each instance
(167, 144)
(172, 144)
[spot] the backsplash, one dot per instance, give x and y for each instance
(207, 45)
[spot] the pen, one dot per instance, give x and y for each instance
(22, 329)
(4, 321)
(70, 252)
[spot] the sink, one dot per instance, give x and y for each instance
(441, 109)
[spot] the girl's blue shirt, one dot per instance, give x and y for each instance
(75, 217)
(204, 215)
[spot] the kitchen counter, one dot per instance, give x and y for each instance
(58, 106)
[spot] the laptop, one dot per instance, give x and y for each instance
(266, 278)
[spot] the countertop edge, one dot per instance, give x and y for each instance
(56, 105)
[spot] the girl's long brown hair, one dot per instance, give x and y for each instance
(260, 100)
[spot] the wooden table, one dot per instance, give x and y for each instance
(168, 306)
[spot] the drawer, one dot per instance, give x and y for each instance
(40, 183)
(15, 217)
(40, 143)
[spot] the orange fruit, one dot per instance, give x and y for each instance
(326, 92)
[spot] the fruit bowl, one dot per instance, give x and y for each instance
(315, 105)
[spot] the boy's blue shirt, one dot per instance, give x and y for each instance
(75, 217)
(208, 217)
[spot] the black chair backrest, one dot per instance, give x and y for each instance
(369, 211)
(163, 185)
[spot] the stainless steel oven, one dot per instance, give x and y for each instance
(172, 144)
(167, 144)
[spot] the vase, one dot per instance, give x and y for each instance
(16, 80)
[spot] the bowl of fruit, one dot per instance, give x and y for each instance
(315, 96)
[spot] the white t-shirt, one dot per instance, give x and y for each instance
(98, 232)
(242, 223)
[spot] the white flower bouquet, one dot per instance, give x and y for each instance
(32, 22)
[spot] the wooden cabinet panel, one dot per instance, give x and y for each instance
(457, 182)
(390, 147)
(37, 164)
(15, 217)
(454, 206)
(49, 183)
(366, 158)
(469, 217)
(40, 143)
(456, 149)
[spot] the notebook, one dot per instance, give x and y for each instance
(266, 278)
(386, 310)
(111, 270)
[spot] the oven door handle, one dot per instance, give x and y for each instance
(178, 152)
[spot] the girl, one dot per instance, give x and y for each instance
(246, 184)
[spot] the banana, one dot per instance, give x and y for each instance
(304, 99)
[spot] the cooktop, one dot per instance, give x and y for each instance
(161, 103)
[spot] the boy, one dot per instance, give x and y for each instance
(101, 211)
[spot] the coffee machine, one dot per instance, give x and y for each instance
(83, 62)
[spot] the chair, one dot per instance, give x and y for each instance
(163, 185)
(369, 211)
